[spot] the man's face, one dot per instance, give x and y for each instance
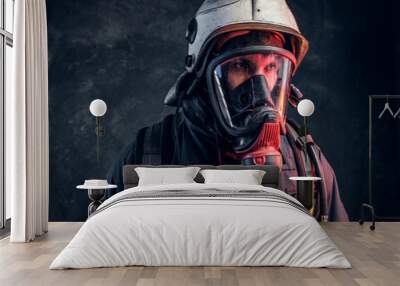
(240, 69)
(251, 85)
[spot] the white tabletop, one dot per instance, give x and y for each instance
(87, 187)
(305, 178)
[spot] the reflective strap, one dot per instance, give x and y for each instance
(151, 142)
(296, 144)
(321, 183)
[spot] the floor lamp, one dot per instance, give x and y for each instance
(306, 108)
(98, 108)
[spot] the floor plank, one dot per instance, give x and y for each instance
(375, 257)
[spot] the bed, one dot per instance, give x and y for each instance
(197, 224)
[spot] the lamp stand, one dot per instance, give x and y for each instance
(305, 125)
(99, 132)
(306, 157)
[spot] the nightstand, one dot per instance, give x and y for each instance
(304, 192)
(96, 191)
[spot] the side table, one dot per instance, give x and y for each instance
(96, 192)
(304, 191)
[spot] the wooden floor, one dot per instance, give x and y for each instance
(375, 257)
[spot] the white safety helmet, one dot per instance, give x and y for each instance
(216, 17)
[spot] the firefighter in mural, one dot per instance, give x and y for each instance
(231, 101)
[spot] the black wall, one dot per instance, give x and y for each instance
(130, 52)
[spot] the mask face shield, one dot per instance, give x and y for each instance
(249, 87)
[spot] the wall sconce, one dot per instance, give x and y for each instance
(306, 108)
(98, 108)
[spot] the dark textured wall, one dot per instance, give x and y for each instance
(129, 53)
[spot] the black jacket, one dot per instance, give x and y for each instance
(172, 141)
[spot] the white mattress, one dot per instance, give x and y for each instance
(185, 231)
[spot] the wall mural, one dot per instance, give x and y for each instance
(231, 101)
(196, 99)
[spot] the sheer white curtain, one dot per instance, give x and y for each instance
(28, 122)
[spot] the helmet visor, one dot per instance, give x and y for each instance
(249, 83)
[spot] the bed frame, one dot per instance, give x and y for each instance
(271, 177)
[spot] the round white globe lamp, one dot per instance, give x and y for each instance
(305, 108)
(98, 108)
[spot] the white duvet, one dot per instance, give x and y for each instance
(200, 231)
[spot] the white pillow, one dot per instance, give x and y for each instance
(248, 177)
(163, 176)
